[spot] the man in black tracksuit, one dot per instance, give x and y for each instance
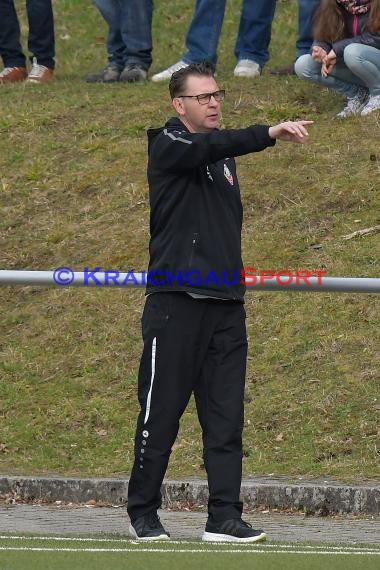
(193, 323)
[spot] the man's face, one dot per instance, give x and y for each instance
(199, 118)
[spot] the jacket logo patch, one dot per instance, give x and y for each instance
(228, 175)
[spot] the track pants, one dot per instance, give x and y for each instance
(200, 346)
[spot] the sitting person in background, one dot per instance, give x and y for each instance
(346, 53)
(41, 43)
(129, 40)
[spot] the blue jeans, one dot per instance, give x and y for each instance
(253, 37)
(41, 33)
(360, 67)
(306, 11)
(129, 31)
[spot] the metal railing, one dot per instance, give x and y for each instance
(138, 279)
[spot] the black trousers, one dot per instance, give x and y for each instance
(200, 346)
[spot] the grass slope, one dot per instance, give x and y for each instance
(73, 192)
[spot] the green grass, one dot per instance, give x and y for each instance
(73, 192)
(62, 554)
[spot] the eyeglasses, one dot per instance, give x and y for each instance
(205, 98)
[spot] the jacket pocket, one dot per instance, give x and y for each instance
(156, 314)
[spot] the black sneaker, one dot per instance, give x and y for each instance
(148, 527)
(133, 72)
(232, 530)
(287, 70)
(110, 74)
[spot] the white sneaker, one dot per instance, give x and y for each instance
(372, 105)
(355, 104)
(247, 68)
(167, 73)
(40, 73)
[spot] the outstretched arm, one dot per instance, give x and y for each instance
(292, 131)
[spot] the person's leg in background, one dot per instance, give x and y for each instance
(252, 45)
(202, 37)
(136, 30)
(204, 32)
(306, 12)
(364, 62)
(110, 10)
(41, 41)
(10, 46)
(341, 79)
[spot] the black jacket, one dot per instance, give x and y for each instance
(196, 210)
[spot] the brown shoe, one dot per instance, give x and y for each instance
(40, 73)
(13, 75)
(287, 70)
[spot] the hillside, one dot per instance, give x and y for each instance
(73, 192)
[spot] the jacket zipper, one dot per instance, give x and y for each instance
(194, 244)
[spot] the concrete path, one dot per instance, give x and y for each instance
(183, 525)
